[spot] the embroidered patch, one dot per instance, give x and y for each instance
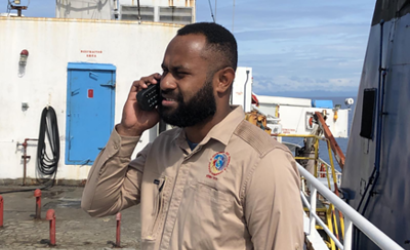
(219, 162)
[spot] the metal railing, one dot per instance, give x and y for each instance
(322, 170)
(326, 173)
(351, 216)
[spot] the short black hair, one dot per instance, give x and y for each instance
(218, 38)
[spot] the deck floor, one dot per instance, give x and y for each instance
(75, 229)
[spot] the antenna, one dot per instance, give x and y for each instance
(17, 6)
(210, 7)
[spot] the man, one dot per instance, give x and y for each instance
(217, 181)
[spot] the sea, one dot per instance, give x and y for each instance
(323, 152)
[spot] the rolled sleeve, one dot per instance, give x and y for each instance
(273, 207)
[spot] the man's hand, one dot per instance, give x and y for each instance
(134, 120)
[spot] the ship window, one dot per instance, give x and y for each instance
(368, 113)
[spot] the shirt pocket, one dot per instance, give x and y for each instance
(208, 195)
(160, 207)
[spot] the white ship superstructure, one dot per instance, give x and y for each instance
(106, 56)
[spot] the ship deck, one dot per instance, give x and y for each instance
(75, 229)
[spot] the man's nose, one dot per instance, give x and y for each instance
(168, 83)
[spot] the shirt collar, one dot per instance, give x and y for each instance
(224, 129)
(221, 131)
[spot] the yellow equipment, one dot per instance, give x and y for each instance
(258, 120)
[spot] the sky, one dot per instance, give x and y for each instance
(295, 48)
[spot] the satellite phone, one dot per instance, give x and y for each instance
(149, 98)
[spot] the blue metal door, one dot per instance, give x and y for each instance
(90, 110)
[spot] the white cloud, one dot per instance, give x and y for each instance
(323, 43)
(282, 83)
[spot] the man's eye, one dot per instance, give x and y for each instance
(181, 74)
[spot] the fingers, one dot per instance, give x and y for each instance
(157, 77)
(144, 82)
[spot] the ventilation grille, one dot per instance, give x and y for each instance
(131, 13)
(181, 15)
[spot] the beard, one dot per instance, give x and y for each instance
(197, 110)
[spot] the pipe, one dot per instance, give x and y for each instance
(378, 148)
(51, 216)
(118, 238)
(382, 75)
(244, 93)
(37, 194)
(380, 102)
(25, 157)
(1, 211)
(340, 157)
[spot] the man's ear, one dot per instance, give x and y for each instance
(224, 79)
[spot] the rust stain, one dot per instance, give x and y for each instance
(189, 3)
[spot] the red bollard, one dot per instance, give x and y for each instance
(1, 211)
(51, 216)
(118, 217)
(37, 194)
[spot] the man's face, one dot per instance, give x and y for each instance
(186, 84)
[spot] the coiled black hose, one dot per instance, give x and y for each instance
(47, 163)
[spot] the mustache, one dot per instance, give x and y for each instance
(171, 95)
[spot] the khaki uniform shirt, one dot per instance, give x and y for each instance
(238, 189)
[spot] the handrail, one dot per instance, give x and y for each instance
(316, 137)
(352, 217)
(319, 221)
(328, 165)
(325, 172)
(332, 227)
(300, 136)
